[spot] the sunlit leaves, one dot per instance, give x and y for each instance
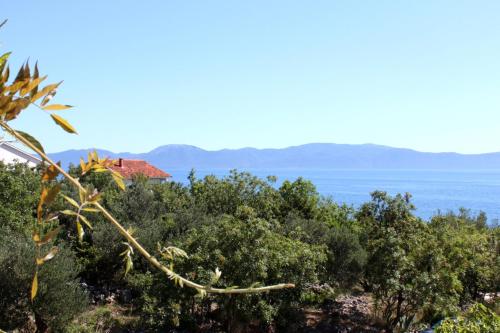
(15, 97)
(24, 90)
(30, 87)
(63, 123)
(81, 207)
(56, 107)
(79, 219)
(50, 89)
(96, 164)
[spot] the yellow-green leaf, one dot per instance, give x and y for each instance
(84, 220)
(56, 107)
(3, 59)
(82, 165)
(79, 230)
(31, 140)
(63, 123)
(71, 201)
(69, 212)
(91, 210)
(34, 286)
(118, 180)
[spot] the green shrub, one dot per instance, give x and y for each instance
(59, 298)
(478, 319)
(249, 251)
(19, 192)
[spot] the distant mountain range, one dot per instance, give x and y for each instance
(308, 156)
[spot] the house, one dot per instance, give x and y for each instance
(129, 168)
(10, 154)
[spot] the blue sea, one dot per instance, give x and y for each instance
(432, 190)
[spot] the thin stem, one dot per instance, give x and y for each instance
(152, 260)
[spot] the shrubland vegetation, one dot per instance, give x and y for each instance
(256, 233)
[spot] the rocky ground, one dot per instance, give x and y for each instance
(348, 313)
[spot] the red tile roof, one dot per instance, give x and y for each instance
(128, 168)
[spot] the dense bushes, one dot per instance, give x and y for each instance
(60, 297)
(478, 319)
(254, 232)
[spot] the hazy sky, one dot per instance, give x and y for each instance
(229, 74)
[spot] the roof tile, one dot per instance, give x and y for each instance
(128, 168)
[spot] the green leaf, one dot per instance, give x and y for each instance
(31, 140)
(63, 123)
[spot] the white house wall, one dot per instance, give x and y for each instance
(9, 155)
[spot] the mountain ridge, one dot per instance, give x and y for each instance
(310, 156)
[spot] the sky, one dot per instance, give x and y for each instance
(267, 74)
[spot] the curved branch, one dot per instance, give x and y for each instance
(131, 239)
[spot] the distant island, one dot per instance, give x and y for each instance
(308, 156)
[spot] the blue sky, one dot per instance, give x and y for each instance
(229, 74)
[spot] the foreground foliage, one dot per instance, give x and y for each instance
(478, 319)
(417, 271)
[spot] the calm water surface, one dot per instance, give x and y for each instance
(432, 190)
